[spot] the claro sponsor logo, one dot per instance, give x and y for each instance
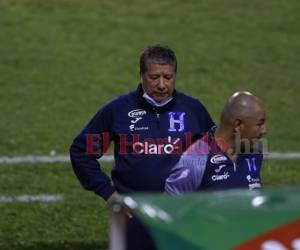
(253, 182)
(154, 148)
(134, 143)
(217, 159)
(220, 177)
(137, 113)
(250, 179)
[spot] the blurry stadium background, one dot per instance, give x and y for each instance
(60, 60)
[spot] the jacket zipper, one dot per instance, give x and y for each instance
(157, 117)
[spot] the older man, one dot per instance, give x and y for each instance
(229, 155)
(150, 128)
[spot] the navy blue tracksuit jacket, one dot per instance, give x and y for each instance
(148, 142)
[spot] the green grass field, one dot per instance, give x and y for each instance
(60, 60)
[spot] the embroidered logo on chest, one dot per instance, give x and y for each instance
(136, 115)
(176, 120)
(217, 159)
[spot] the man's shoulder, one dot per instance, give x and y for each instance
(190, 100)
(122, 100)
(118, 103)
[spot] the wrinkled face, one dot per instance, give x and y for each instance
(159, 81)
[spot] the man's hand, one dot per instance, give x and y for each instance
(112, 197)
(115, 196)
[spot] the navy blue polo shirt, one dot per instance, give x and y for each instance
(206, 167)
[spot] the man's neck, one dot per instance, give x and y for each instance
(155, 103)
(225, 140)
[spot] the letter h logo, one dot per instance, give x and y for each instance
(179, 121)
(251, 164)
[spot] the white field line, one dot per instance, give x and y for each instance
(110, 158)
(31, 198)
(282, 155)
(44, 159)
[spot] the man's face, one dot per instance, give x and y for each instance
(159, 81)
(254, 127)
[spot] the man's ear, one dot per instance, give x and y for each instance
(237, 125)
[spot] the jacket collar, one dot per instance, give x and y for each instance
(142, 102)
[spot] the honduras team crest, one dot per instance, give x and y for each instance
(251, 164)
(176, 121)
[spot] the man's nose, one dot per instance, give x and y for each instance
(161, 83)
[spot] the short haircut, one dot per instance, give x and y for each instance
(158, 54)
